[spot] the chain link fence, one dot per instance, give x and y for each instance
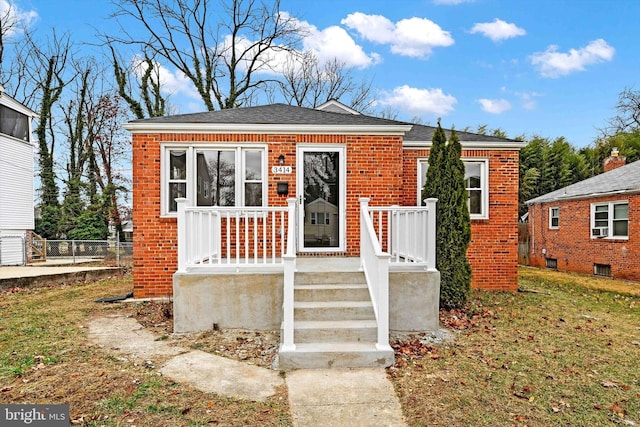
(119, 254)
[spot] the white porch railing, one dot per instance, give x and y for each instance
(405, 236)
(234, 238)
(227, 237)
(407, 233)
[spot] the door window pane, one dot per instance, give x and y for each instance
(321, 198)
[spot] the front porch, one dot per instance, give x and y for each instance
(332, 311)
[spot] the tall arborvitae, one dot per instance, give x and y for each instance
(454, 225)
(445, 181)
(432, 185)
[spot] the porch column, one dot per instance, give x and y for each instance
(430, 203)
(182, 234)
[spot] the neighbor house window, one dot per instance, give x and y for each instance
(476, 182)
(320, 218)
(214, 176)
(14, 123)
(554, 217)
(610, 220)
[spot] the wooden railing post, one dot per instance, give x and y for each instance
(182, 234)
(431, 233)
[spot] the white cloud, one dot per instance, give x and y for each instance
(414, 37)
(498, 30)
(552, 63)
(14, 19)
(494, 106)
(335, 42)
(171, 83)
(528, 100)
(418, 101)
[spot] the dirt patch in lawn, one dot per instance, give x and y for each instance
(45, 357)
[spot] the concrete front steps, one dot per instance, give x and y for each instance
(334, 324)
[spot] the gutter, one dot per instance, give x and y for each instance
(562, 198)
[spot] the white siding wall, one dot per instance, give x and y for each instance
(16, 184)
(12, 247)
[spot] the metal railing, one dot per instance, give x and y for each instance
(77, 251)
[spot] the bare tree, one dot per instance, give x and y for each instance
(628, 113)
(149, 101)
(308, 83)
(109, 153)
(225, 60)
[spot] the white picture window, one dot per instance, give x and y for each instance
(554, 217)
(610, 220)
(214, 176)
(476, 182)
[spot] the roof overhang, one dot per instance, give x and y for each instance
(147, 127)
(471, 145)
(563, 197)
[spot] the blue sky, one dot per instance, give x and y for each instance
(545, 67)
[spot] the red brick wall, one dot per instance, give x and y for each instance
(493, 252)
(571, 243)
(372, 165)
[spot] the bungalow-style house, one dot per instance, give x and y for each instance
(16, 181)
(592, 226)
(316, 225)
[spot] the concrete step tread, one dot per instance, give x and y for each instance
(334, 347)
(331, 286)
(334, 324)
(332, 304)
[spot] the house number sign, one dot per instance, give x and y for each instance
(281, 169)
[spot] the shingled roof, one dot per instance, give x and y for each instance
(623, 180)
(282, 114)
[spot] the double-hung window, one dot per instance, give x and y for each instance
(610, 220)
(476, 182)
(554, 218)
(214, 176)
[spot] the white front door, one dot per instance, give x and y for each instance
(321, 183)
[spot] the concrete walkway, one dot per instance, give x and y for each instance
(358, 397)
(59, 271)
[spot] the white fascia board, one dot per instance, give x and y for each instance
(563, 198)
(471, 145)
(145, 127)
(9, 102)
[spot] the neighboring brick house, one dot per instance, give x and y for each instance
(592, 226)
(262, 155)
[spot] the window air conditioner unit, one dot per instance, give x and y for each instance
(600, 232)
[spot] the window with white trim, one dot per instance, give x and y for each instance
(476, 182)
(610, 220)
(554, 217)
(320, 218)
(214, 176)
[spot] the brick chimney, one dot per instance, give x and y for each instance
(614, 161)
